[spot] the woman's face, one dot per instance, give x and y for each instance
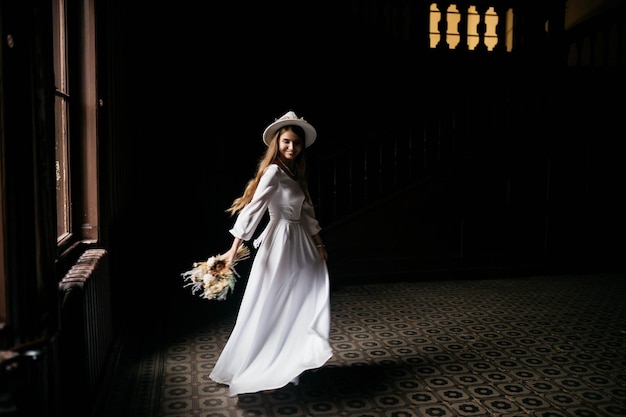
(289, 145)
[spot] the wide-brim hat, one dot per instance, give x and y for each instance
(290, 118)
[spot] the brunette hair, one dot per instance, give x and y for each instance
(270, 156)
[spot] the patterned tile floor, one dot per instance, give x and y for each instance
(534, 346)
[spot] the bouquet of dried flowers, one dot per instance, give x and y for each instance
(216, 276)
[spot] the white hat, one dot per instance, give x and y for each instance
(290, 118)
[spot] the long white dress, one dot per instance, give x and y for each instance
(283, 324)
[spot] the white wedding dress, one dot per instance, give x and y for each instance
(283, 324)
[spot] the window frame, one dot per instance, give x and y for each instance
(76, 84)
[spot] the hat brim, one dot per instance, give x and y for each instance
(310, 134)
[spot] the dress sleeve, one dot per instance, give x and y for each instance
(250, 216)
(307, 218)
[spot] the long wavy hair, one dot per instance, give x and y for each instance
(270, 157)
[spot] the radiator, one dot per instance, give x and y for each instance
(86, 328)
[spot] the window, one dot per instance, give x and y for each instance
(75, 122)
(61, 116)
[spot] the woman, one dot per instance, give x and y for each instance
(283, 324)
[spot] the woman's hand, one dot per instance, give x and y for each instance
(231, 254)
(323, 253)
(321, 248)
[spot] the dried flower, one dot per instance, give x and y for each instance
(216, 276)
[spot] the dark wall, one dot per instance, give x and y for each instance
(208, 82)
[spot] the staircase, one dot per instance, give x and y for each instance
(484, 168)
